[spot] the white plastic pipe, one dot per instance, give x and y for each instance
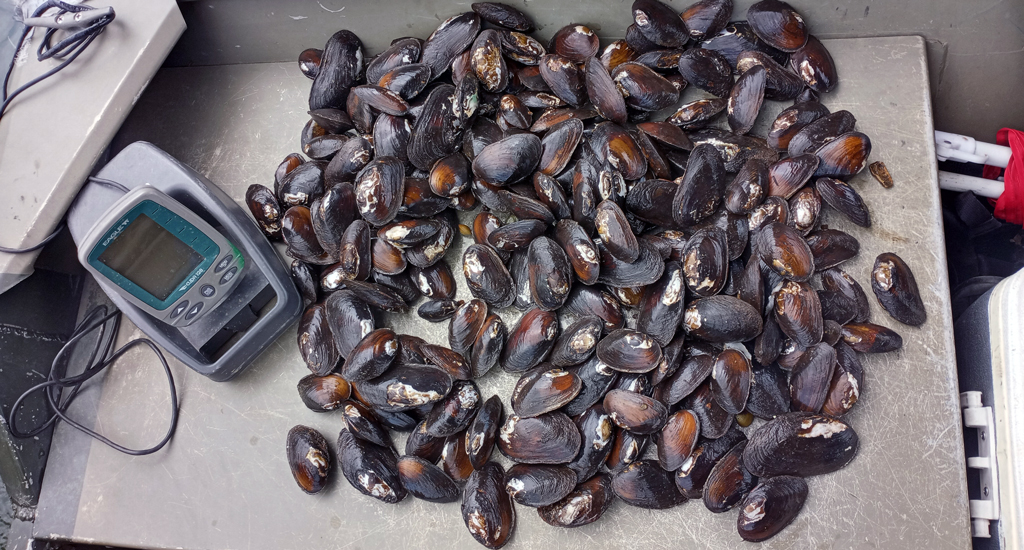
(980, 186)
(962, 148)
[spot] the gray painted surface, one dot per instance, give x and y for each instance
(223, 481)
(975, 47)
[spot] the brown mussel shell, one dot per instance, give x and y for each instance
(635, 412)
(466, 325)
(615, 232)
(771, 506)
(265, 210)
(691, 477)
(454, 459)
(705, 262)
(551, 194)
(488, 346)
(881, 174)
(731, 380)
(714, 420)
(677, 439)
(896, 289)
(370, 468)
(643, 88)
(612, 142)
(646, 485)
(299, 235)
(629, 351)
(691, 374)
(584, 505)
(579, 249)
(323, 393)
(729, 481)
(309, 62)
(543, 390)
(424, 480)
(791, 120)
(706, 18)
(371, 356)
(847, 381)
(509, 160)
(576, 42)
(801, 444)
(831, 247)
(783, 250)
(558, 145)
(815, 66)
(530, 340)
(844, 198)
(844, 156)
(778, 24)
(798, 312)
(577, 342)
(379, 189)
(363, 423)
(551, 438)
(871, 338)
(309, 458)
(697, 114)
(788, 175)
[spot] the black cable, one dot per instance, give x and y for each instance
(68, 49)
(100, 358)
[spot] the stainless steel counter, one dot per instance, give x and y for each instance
(223, 481)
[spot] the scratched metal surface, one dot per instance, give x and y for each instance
(223, 481)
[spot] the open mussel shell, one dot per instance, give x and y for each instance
(677, 439)
(583, 505)
(488, 346)
(550, 273)
(539, 485)
(482, 431)
(579, 249)
(896, 289)
(309, 458)
(646, 485)
(629, 351)
(770, 506)
(745, 99)
(697, 114)
(543, 390)
(316, 341)
(701, 189)
(801, 444)
(643, 88)
(340, 65)
(487, 508)
(662, 305)
(635, 412)
(871, 338)
(722, 319)
(530, 340)
(424, 480)
(509, 160)
(798, 312)
(576, 42)
(487, 277)
(705, 262)
(453, 414)
(844, 156)
(370, 468)
(691, 477)
(551, 438)
(731, 380)
(815, 66)
(404, 387)
(778, 24)
(708, 70)
(811, 377)
(729, 481)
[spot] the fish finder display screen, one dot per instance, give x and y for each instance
(151, 257)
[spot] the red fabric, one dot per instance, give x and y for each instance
(1010, 205)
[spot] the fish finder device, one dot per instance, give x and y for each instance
(183, 261)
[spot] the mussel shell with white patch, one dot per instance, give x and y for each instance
(487, 508)
(778, 24)
(693, 473)
(363, 423)
(896, 289)
(728, 482)
(551, 438)
(265, 210)
(487, 277)
(488, 345)
(584, 505)
(370, 468)
(771, 506)
(783, 250)
(780, 83)
(379, 190)
(802, 444)
(612, 142)
(662, 305)
(453, 414)
(309, 458)
(577, 42)
(371, 356)
(847, 382)
(483, 430)
(708, 70)
(298, 233)
(316, 340)
(350, 319)
(643, 88)
(815, 66)
(580, 250)
(722, 319)
(539, 484)
(677, 439)
(487, 61)
(798, 312)
(629, 351)
(404, 387)
(530, 341)
(791, 120)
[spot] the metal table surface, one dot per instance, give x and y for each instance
(223, 481)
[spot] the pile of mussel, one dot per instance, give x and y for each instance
(685, 259)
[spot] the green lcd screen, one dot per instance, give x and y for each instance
(151, 257)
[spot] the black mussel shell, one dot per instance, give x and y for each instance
(804, 208)
(466, 325)
(301, 185)
(840, 195)
(323, 393)
(647, 268)
(745, 99)
(714, 420)
(453, 414)
(791, 120)
(820, 131)
(646, 200)
(646, 485)
(738, 37)
(350, 319)
(354, 260)
(391, 136)
(550, 438)
(811, 376)
(404, 387)
(612, 142)
(550, 273)
(748, 189)
(530, 340)
(688, 377)
(579, 249)
(522, 48)
(729, 481)
(482, 431)
(871, 338)
(838, 280)
(635, 412)
(539, 484)
(543, 390)
(487, 277)
(847, 381)
(382, 99)
(524, 207)
(699, 113)
(596, 378)
(701, 189)
(643, 88)
(815, 66)
(503, 15)
(706, 18)
(597, 430)
(576, 42)
(722, 319)
(629, 351)
(831, 247)
(789, 175)
(340, 65)
(584, 505)
(615, 232)
(508, 160)
(435, 134)
(577, 342)
(585, 300)
(450, 39)
(423, 445)
(332, 214)
(677, 439)
(378, 296)
(769, 392)
(316, 341)
(662, 305)
(691, 477)
(371, 356)
(801, 444)
(626, 449)
(563, 78)
(488, 346)
(780, 84)
(517, 235)
(309, 458)
(557, 147)
(785, 252)
(431, 250)
(434, 281)
(265, 210)
(731, 379)
(379, 190)
(708, 70)
(513, 113)
(550, 193)
(450, 361)
(896, 289)
(362, 423)
(370, 468)
(309, 62)
(705, 262)
(401, 53)
(778, 24)
(798, 312)
(660, 24)
(770, 507)
(424, 480)
(659, 60)
(487, 508)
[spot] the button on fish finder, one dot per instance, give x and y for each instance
(194, 311)
(207, 291)
(223, 263)
(179, 309)
(228, 275)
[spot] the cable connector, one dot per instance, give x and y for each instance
(70, 20)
